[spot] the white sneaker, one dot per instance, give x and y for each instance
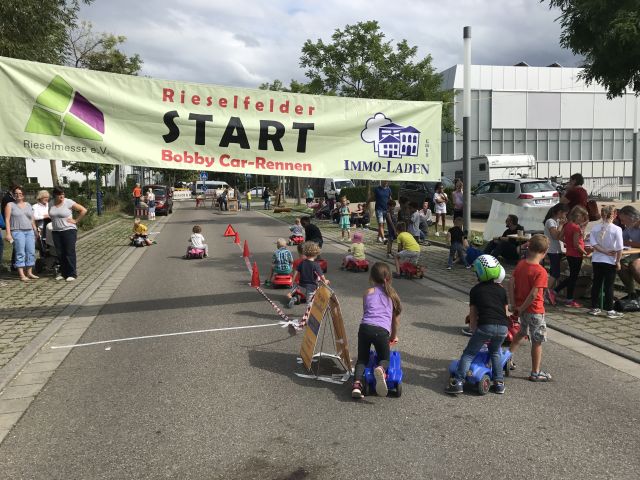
(614, 314)
(59, 277)
(71, 279)
(381, 382)
(594, 311)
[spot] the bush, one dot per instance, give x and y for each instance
(73, 190)
(110, 201)
(31, 188)
(359, 194)
(90, 220)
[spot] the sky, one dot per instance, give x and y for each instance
(244, 43)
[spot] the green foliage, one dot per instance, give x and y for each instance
(607, 34)
(31, 187)
(12, 170)
(74, 189)
(359, 194)
(90, 220)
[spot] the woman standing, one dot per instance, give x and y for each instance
(458, 200)
(440, 200)
(151, 204)
(21, 232)
(606, 240)
(41, 210)
(65, 232)
(553, 229)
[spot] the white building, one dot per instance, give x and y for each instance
(39, 171)
(550, 113)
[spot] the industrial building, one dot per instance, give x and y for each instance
(550, 113)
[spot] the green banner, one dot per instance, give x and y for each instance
(72, 114)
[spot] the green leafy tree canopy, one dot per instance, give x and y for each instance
(607, 34)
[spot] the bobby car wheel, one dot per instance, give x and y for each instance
(484, 385)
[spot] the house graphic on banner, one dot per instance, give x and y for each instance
(389, 139)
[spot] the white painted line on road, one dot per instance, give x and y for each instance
(208, 330)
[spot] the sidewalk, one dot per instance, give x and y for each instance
(619, 336)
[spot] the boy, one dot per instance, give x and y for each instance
(140, 231)
(488, 322)
(457, 241)
(309, 272)
(282, 260)
(408, 248)
(526, 290)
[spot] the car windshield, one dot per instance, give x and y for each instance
(159, 192)
(532, 187)
(343, 183)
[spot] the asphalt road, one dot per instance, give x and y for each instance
(228, 404)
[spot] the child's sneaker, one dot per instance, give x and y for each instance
(448, 267)
(291, 302)
(614, 314)
(267, 283)
(467, 267)
(466, 331)
(498, 388)
(539, 376)
(454, 387)
(595, 312)
(356, 390)
(572, 304)
(381, 382)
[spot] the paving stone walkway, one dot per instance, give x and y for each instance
(27, 308)
(620, 336)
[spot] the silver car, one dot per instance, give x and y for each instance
(526, 192)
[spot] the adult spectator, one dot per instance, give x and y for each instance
(266, 197)
(65, 232)
(311, 232)
(458, 200)
(554, 223)
(41, 210)
(575, 193)
(381, 195)
(309, 195)
(136, 194)
(6, 199)
(440, 200)
(630, 264)
(222, 199)
(504, 246)
(426, 220)
(21, 231)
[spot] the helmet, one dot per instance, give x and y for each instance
(500, 278)
(486, 268)
(477, 240)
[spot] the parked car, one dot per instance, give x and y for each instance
(420, 191)
(525, 192)
(164, 200)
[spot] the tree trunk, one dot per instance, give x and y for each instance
(117, 179)
(54, 173)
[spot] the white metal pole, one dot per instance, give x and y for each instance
(634, 165)
(466, 133)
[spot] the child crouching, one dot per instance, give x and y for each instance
(140, 230)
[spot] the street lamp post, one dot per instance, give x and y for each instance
(466, 133)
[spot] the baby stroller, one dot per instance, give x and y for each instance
(47, 261)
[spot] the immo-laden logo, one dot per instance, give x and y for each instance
(61, 110)
(389, 139)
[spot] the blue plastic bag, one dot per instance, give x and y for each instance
(2, 224)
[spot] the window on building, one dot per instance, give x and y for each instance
(482, 167)
(32, 179)
(65, 180)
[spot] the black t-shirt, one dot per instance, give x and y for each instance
(490, 300)
(457, 235)
(312, 234)
(309, 272)
(512, 231)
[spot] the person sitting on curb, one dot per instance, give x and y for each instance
(504, 246)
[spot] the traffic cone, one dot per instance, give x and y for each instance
(255, 276)
(245, 250)
(237, 240)
(229, 232)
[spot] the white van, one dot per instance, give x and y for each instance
(212, 185)
(332, 186)
(485, 168)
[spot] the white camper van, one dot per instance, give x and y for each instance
(494, 167)
(332, 186)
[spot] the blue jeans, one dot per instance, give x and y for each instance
(493, 333)
(24, 244)
(1, 247)
(459, 248)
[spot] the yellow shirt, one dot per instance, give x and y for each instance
(407, 242)
(357, 250)
(249, 195)
(140, 229)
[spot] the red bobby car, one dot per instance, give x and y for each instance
(354, 265)
(296, 240)
(282, 280)
(411, 270)
(323, 264)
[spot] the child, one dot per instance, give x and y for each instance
(296, 229)
(574, 243)
(309, 272)
(487, 320)
(391, 221)
(356, 250)
(140, 231)
(457, 241)
(282, 260)
(345, 219)
(440, 200)
(413, 226)
(408, 248)
(299, 260)
(379, 327)
(526, 292)
(426, 220)
(151, 203)
(197, 240)
(553, 225)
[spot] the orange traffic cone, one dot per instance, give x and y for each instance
(255, 276)
(229, 232)
(245, 250)
(237, 240)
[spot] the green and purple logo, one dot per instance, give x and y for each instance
(61, 110)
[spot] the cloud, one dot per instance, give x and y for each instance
(370, 132)
(249, 42)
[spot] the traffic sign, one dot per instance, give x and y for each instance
(204, 187)
(203, 175)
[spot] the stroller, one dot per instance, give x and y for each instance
(47, 261)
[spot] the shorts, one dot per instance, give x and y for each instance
(409, 256)
(282, 271)
(534, 325)
(380, 216)
(440, 210)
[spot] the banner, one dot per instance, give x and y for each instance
(73, 114)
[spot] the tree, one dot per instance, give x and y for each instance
(607, 34)
(88, 169)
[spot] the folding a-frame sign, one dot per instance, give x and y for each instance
(325, 317)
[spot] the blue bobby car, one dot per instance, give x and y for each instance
(394, 373)
(480, 373)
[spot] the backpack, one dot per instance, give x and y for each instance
(593, 210)
(627, 305)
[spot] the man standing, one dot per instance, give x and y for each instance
(309, 194)
(137, 194)
(381, 195)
